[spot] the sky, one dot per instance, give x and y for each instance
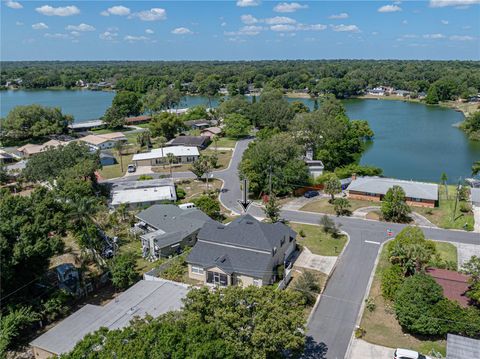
(239, 30)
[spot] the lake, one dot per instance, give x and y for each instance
(412, 141)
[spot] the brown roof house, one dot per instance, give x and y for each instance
(29, 150)
(454, 284)
(211, 131)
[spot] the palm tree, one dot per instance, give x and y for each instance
(171, 158)
(162, 141)
(444, 180)
(119, 146)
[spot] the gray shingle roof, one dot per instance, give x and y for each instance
(198, 141)
(152, 297)
(246, 232)
(459, 347)
(381, 185)
(475, 195)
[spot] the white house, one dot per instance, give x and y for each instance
(142, 193)
(104, 141)
(158, 156)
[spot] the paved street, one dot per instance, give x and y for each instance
(332, 323)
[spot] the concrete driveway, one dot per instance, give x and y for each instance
(141, 170)
(360, 349)
(476, 218)
(308, 260)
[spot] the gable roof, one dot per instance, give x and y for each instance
(31, 149)
(381, 185)
(214, 130)
(99, 139)
(161, 153)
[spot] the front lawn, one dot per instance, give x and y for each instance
(224, 142)
(382, 328)
(224, 157)
(196, 188)
(317, 241)
(323, 206)
(114, 171)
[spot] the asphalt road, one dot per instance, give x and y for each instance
(331, 325)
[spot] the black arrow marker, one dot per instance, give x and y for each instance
(244, 202)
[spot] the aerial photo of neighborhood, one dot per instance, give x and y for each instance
(257, 179)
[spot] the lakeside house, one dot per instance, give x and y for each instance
(201, 142)
(103, 141)
(143, 193)
(211, 131)
(29, 149)
(144, 298)
(87, 125)
(244, 252)
(158, 156)
(315, 167)
(167, 229)
(199, 124)
(137, 120)
(419, 194)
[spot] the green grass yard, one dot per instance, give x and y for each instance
(323, 206)
(224, 142)
(317, 241)
(381, 326)
(114, 171)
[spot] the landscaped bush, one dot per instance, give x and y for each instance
(181, 194)
(392, 278)
(145, 178)
(465, 207)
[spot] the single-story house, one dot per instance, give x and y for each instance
(402, 93)
(459, 347)
(418, 194)
(6, 157)
(454, 284)
(198, 124)
(142, 193)
(475, 196)
(138, 120)
(145, 297)
(104, 141)
(168, 229)
(87, 125)
(244, 252)
(198, 141)
(211, 131)
(29, 150)
(158, 156)
(107, 159)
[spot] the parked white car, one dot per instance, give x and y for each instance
(408, 354)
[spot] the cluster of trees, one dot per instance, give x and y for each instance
(419, 304)
(33, 122)
(275, 160)
(32, 230)
(443, 79)
(471, 126)
(226, 323)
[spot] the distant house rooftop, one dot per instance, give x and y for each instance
(137, 119)
(81, 126)
(145, 297)
(459, 347)
(99, 139)
(379, 185)
(454, 284)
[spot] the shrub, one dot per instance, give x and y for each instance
(122, 269)
(465, 207)
(181, 194)
(392, 278)
(308, 287)
(370, 304)
(301, 233)
(145, 178)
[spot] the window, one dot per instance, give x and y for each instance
(217, 278)
(257, 282)
(197, 270)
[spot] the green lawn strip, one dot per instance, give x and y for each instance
(317, 241)
(323, 206)
(114, 171)
(102, 131)
(224, 142)
(381, 326)
(135, 246)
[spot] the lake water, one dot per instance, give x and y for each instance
(412, 141)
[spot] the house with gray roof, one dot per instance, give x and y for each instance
(244, 252)
(420, 194)
(145, 297)
(459, 347)
(167, 229)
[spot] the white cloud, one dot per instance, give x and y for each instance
(108, 35)
(58, 11)
(289, 7)
(444, 22)
(154, 14)
(283, 28)
(405, 22)
(342, 15)
(434, 36)
(118, 10)
(250, 30)
(247, 3)
(374, 33)
(81, 27)
(345, 28)
(149, 31)
(57, 36)
(410, 36)
(40, 26)
(279, 20)
(248, 19)
(389, 8)
(182, 31)
(443, 3)
(313, 27)
(461, 38)
(13, 4)
(19, 23)
(132, 38)
(223, 24)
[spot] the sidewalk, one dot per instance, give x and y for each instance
(361, 349)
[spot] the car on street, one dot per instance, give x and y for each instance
(131, 168)
(310, 194)
(408, 354)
